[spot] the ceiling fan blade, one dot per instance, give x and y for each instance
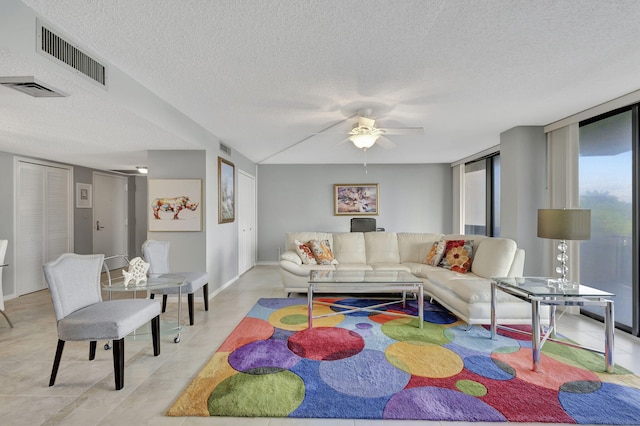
(403, 131)
(385, 143)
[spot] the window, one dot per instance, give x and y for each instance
(606, 188)
(482, 196)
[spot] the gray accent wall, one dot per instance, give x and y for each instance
(523, 152)
(6, 220)
(412, 198)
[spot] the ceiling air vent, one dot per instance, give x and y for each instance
(56, 47)
(225, 149)
(31, 86)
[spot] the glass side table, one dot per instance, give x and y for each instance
(547, 291)
(152, 283)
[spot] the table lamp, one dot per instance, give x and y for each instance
(564, 224)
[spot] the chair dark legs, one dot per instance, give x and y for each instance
(164, 301)
(190, 300)
(205, 293)
(155, 333)
(118, 362)
(92, 350)
(56, 362)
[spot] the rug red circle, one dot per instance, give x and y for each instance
(326, 343)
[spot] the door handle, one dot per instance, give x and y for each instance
(98, 227)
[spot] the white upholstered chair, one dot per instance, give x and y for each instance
(3, 252)
(156, 253)
(74, 283)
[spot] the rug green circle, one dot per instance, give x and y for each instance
(266, 395)
(294, 319)
(402, 331)
(471, 387)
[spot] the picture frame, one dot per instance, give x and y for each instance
(84, 196)
(226, 191)
(174, 205)
(356, 199)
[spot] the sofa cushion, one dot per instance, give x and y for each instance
(389, 267)
(436, 253)
(414, 246)
(468, 287)
(458, 255)
(348, 247)
(353, 267)
(305, 253)
(494, 257)
(381, 247)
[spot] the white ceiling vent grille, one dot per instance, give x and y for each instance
(32, 87)
(56, 47)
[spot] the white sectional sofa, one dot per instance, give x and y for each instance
(467, 295)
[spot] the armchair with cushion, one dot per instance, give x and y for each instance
(156, 253)
(74, 283)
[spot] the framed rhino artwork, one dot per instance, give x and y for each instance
(174, 205)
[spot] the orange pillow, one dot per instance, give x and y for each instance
(436, 253)
(322, 252)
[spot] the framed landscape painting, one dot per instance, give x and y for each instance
(226, 191)
(175, 205)
(356, 199)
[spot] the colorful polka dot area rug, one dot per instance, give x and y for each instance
(379, 366)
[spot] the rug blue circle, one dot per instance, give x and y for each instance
(431, 403)
(609, 404)
(357, 303)
(485, 366)
(377, 378)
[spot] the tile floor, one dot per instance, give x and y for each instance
(84, 392)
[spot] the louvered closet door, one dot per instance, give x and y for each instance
(43, 221)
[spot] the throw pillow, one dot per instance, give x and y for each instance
(458, 255)
(435, 254)
(322, 252)
(305, 253)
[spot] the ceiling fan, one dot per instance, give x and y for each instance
(365, 134)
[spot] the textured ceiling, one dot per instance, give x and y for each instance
(264, 76)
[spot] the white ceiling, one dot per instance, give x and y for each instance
(264, 76)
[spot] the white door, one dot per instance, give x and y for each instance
(246, 222)
(110, 216)
(43, 220)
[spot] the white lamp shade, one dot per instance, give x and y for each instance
(564, 224)
(363, 140)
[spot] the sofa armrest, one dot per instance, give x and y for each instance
(291, 256)
(517, 267)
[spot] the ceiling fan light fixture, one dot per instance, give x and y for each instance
(364, 140)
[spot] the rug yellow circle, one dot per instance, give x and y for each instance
(425, 360)
(294, 318)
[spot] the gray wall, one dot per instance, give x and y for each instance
(187, 252)
(413, 198)
(523, 152)
(82, 218)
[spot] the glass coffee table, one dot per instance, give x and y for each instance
(547, 291)
(152, 283)
(361, 282)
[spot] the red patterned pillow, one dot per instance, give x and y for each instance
(458, 255)
(305, 253)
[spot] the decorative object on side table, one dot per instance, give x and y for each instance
(137, 272)
(564, 224)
